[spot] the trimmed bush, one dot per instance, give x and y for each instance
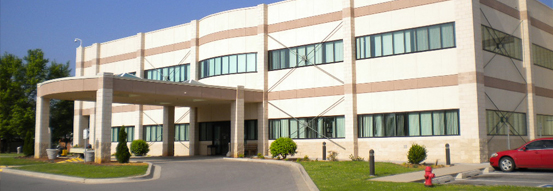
(122, 154)
(283, 146)
(140, 147)
(416, 154)
(28, 144)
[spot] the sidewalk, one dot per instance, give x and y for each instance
(419, 175)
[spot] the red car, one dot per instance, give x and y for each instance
(534, 154)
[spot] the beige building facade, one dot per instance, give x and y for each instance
(356, 74)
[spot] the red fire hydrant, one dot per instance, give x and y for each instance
(428, 176)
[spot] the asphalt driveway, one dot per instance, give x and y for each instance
(532, 178)
(181, 173)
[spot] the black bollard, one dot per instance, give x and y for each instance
(324, 150)
(371, 161)
(447, 157)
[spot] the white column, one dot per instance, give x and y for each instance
(42, 136)
(527, 62)
(262, 72)
(138, 121)
(237, 123)
(79, 123)
(168, 137)
(350, 92)
(104, 100)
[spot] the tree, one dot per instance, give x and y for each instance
(18, 90)
(122, 152)
(29, 146)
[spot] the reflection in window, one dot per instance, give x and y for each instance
(179, 73)
(501, 43)
(231, 64)
(153, 133)
(327, 52)
(545, 125)
(542, 57)
(308, 128)
(502, 122)
(181, 132)
(409, 124)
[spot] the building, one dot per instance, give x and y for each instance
(356, 74)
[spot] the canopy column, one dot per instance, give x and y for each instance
(42, 136)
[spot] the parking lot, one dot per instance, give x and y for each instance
(532, 178)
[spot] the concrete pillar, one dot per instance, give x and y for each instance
(104, 100)
(193, 133)
(168, 136)
(194, 50)
(527, 64)
(138, 122)
(350, 91)
(79, 123)
(42, 123)
(472, 98)
(263, 73)
(237, 123)
(92, 129)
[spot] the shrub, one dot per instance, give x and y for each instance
(259, 155)
(332, 155)
(353, 158)
(240, 155)
(283, 146)
(28, 144)
(122, 153)
(140, 147)
(416, 154)
(305, 158)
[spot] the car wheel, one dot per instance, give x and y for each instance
(507, 164)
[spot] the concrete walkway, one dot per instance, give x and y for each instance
(446, 172)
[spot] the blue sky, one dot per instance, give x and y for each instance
(53, 25)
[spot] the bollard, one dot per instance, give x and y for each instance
(324, 150)
(447, 155)
(371, 162)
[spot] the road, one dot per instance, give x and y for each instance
(532, 178)
(180, 173)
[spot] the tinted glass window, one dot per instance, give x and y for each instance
(536, 145)
(549, 144)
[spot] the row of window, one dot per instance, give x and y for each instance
(231, 64)
(545, 125)
(542, 57)
(322, 53)
(179, 73)
(501, 43)
(501, 122)
(308, 128)
(406, 41)
(115, 133)
(428, 123)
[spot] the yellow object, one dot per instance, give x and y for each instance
(64, 152)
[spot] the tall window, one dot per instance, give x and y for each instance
(427, 123)
(115, 133)
(322, 53)
(181, 132)
(153, 133)
(250, 130)
(501, 43)
(502, 122)
(231, 64)
(545, 125)
(308, 128)
(179, 73)
(406, 41)
(542, 57)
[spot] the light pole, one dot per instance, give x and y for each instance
(81, 42)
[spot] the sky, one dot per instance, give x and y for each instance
(53, 25)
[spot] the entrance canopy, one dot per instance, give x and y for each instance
(142, 91)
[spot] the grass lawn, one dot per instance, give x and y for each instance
(12, 159)
(89, 170)
(350, 175)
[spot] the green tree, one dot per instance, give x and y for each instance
(18, 90)
(29, 146)
(122, 151)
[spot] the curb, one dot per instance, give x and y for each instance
(295, 166)
(139, 178)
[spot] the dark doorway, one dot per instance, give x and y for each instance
(219, 135)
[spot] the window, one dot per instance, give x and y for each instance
(542, 57)
(501, 122)
(181, 132)
(322, 53)
(250, 130)
(545, 125)
(209, 130)
(230, 64)
(308, 128)
(433, 37)
(501, 43)
(426, 123)
(115, 133)
(153, 133)
(179, 73)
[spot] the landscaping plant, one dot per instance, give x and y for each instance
(283, 146)
(122, 154)
(28, 144)
(332, 155)
(416, 154)
(140, 147)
